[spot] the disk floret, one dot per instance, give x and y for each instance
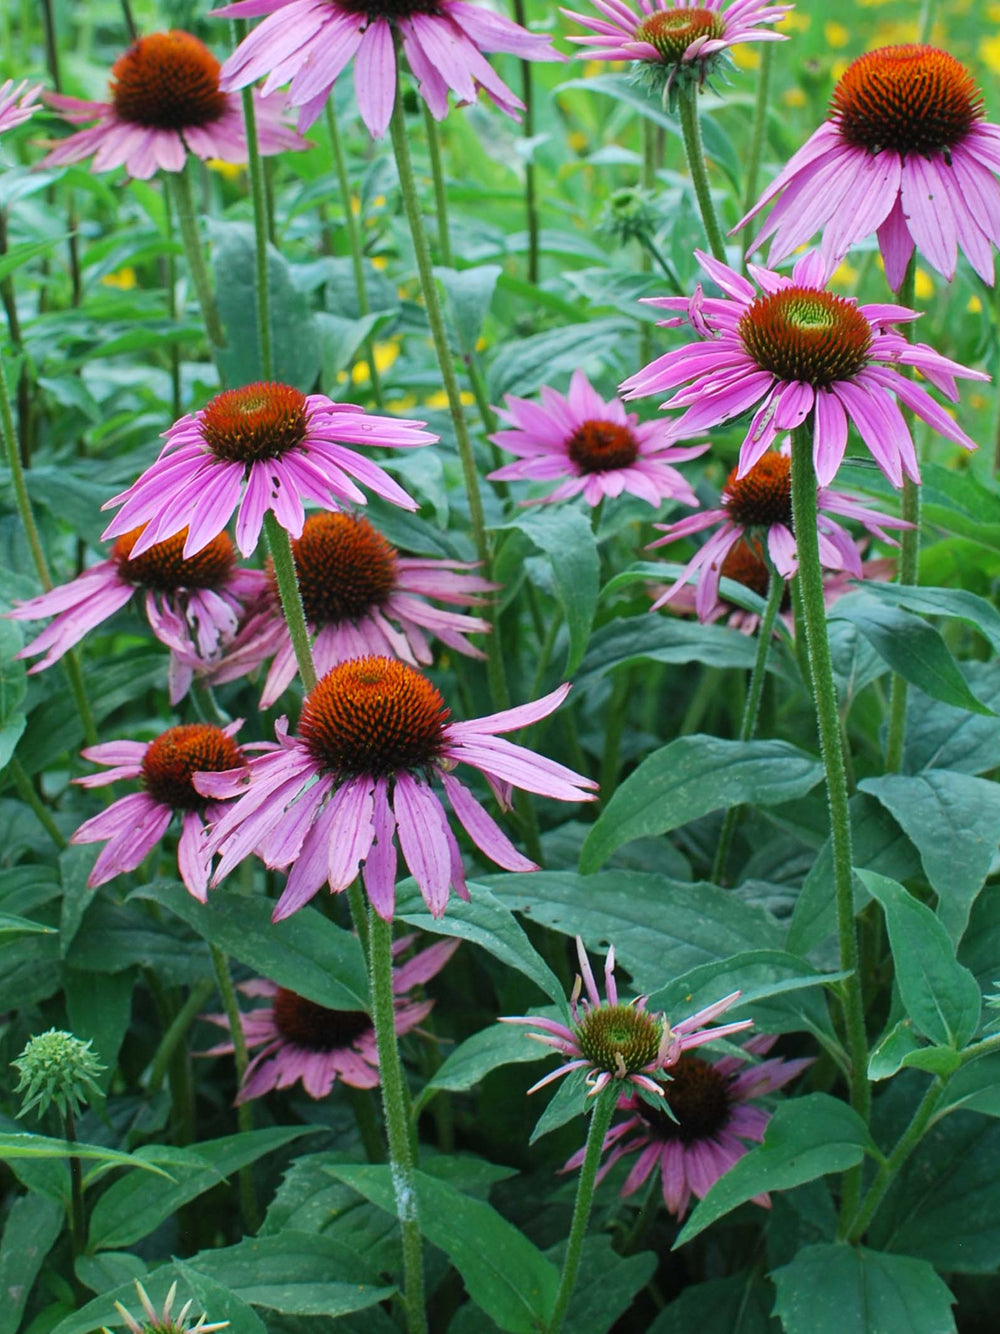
(168, 81)
(165, 569)
(671, 31)
(260, 421)
(597, 446)
(315, 1027)
(764, 496)
(620, 1039)
(806, 335)
(180, 752)
(697, 1102)
(58, 1069)
(345, 568)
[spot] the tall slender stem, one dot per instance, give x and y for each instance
(645, 257)
(170, 282)
(394, 1102)
(928, 14)
(130, 24)
(261, 225)
(187, 218)
(280, 546)
(354, 244)
(751, 708)
(530, 176)
(31, 799)
(78, 1210)
(909, 555)
(440, 192)
(614, 729)
(810, 578)
(244, 1110)
(759, 132)
(600, 1119)
(695, 152)
(52, 60)
(14, 325)
(176, 1029)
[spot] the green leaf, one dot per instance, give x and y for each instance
(606, 1286)
(953, 821)
(567, 539)
(220, 1301)
(976, 1087)
(19, 255)
(307, 952)
(567, 1103)
(851, 1290)
(910, 647)
(472, 1060)
(951, 602)
(659, 927)
(125, 1214)
(10, 926)
(939, 736)
(503, 1272)
(99, 1008)
(74, 867)
(890, 1052)
(108, 1270)
(13, 688)
(691, 777)
(14, 1146)
(30, 1231)
(663, 639)
(806, 1138)
(520, 366)
(484, 921)
(468, 294)
(941, 997)
(739, 1304)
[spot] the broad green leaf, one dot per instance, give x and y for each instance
(910, 647)
(960, 502)
(99, 1009)
(939, 736)
(941, 997)
(976, 1087)
(467, 297)
(806, 1138)
(567, 539)
(953, 821)
(13, 688)
(739, 1304)
(484, 921)
(568, 1102)
(691, 777)
(659, 927)
(19, 255)
(520, 366)
(124, 1215)
(890, 1052)
(114, 936)
(108, 1270)
(472, 1060)
(958, 603)
(14, 1146)
(11, 925)
(663, 639)
(852, 1290)
(606, 1286)
(31, 1229)
(503, 1272)
(307, 952)
(74, 867)
(220, 1300)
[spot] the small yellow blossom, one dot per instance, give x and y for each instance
(379, 262)
(836, 34)
(124, 279)
(837, 70)
(439, 399)
(577, 140)
(745, 57)
(989, 50)
(796, 22)
(975, 306)
(593, 67)
(229, 171)
(793, 97)
(923, 288)
(844, 275)
(978, 402)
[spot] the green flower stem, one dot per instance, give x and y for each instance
(695, 153)
(244, 1111)
(909, 552)
(14, 325)
(600, 1120)
(408, 190)
(528, 130)
(359, 913)
(170, 282)
(759, 132)
(440, 192)
(614, 729)
(133, 31)
(78, 1209)
(187, 219)
(31, 798)
(751, 709)
(174, 1034)
(928, 14)
(363, 1107)
(810, 579)
(261, 223)
(395, 1105)
(71, 663)
(353, 230)
(645, 257)
(981, 1048)
(280, 546)
(887, 1172)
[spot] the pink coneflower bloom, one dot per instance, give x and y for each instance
(259, 448)
(165, 103)
(759, 505)
(362, 597)
(711, 1102)
(300, 1040)
(591, 447)
(17, 103)
(792, 350)
(906, 152)
(373, 735)
(193, 605)
(611, 1040)
(310, 42)
(135, 824)
(674, 38)
(164, 1321)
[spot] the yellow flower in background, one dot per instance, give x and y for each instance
(838, 68)
(229, 171)
(836, 34)
(923, 288)
(379, 262)
(795, 22)
(993, 12)
(978, 402)
(794, 97)
(577, 140)
(745, 57)
(989, 51)
(593, 67)
(124, 279)
(975, 306)
(439, 399)
(844, 275)
(385, 355)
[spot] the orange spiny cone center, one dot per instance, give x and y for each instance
(763, 497)
(180, 752)
(599, 446)
(373, 716)
(345, 568)
(164, 568)
(167, 81)
(313, 1026)
(260, 421)
(908, 99)
(390, 9)
(699, 1098)
(745, 565)
(672, 31)
(801, 333)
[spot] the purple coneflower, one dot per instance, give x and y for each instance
(285, 446)
(165, 103)
(300, 1040)
(906, 152)
(361, 597)
(591, 447)
(373, 735)
(614, 1041)
(18, 103)
(712, 1116)
(164, 1321)
(310, 43)
(193, 604)
(672, 37)
(135, 824)
(794, 349)
(759, 505)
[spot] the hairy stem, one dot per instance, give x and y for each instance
(759, 132)
(695, 153)
(528, 130)
(175, 1032)
(261, 222)
(244, 1110)
(280, 546)
(187, 220)
(440, 192)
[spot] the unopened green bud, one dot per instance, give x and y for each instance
(56, 1067)
(628, 215)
